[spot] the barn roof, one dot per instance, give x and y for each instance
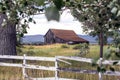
(68, 35)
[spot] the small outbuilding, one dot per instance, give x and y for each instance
(62, 36)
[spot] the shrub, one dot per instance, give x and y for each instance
(84, 48)
(29, 53)
(64, 46)
(77, 46)
(18, 49)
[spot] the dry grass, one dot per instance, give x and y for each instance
(9, 73)
(50, 50)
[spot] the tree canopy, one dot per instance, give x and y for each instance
(99, 17)
(21, 12)
(102, 18)
(96, 15)
(15, 15)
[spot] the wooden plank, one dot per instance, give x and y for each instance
(27, 58)
(56, 71)
(78, 70)
(28, 66)
(100, 65)
(41, 58)
(40, 67)
(116, 73)
(88, 60)
(23, 68)
(51, 78)
(10, 64)
(64, 61)
(11, 57)
(110, 62)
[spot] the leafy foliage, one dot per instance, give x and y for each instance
(97, 16)
(21, 12)
(101, 18)
(59, 4)
(84, 48)
(64, 46)
(52, 13)
(94, 61)
(78, 46)
(101, 69)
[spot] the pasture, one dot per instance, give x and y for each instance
(11, 73)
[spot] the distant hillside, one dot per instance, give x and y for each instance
(32, 39)
(39, 39)
(91, 39)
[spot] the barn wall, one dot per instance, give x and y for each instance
(51, 38)
(58, 40)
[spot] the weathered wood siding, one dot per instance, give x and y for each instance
(59, 36)
(50, 38)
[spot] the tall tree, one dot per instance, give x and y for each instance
(14, 18)
(97, 16)
(7, 37)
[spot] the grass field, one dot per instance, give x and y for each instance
(9, 73)
(49, 50)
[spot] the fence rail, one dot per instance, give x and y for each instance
(88, 60)
(27, 58)
(55, 68)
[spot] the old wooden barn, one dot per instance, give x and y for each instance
(63, 36)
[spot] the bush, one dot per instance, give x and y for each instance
(29, 53)
(64, 46)
(84, 49)
(77, 46)
(18, 49)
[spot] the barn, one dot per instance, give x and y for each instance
(62, 36)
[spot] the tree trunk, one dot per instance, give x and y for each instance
(101, 54)
(101, 45)
(7, 37)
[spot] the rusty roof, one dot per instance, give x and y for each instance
(68, 35)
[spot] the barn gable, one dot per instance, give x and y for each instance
(62, 36)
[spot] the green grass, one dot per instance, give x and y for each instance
(49, 50)
(10, 73)
(59, 50)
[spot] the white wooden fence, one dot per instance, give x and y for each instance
(55, 68)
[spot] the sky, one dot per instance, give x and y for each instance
(66, 22)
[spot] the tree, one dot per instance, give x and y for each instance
(97, 16)
(14, 18)
(11, 12)
(7, 37)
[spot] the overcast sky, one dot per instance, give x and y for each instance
(42, 25)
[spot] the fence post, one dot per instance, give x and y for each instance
(56, 66)
(100, 65)
(23, 68)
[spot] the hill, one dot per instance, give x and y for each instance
(39, 39)
(32, 39)
(91, 39)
